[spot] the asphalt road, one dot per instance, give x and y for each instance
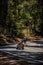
(33, 51)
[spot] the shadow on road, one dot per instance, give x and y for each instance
(38, 42)
(35, 46)
(28, 58)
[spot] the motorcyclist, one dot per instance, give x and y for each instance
(20, 45)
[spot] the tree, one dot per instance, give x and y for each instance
(19, 14)
(3, 14)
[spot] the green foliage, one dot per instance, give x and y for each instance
(20, 15)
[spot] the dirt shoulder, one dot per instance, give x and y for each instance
(7, 39)
(34, 38)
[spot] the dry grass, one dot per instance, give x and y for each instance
(34, 38)
(7, 40)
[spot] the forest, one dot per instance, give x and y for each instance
(20, 17)
(21, 32)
